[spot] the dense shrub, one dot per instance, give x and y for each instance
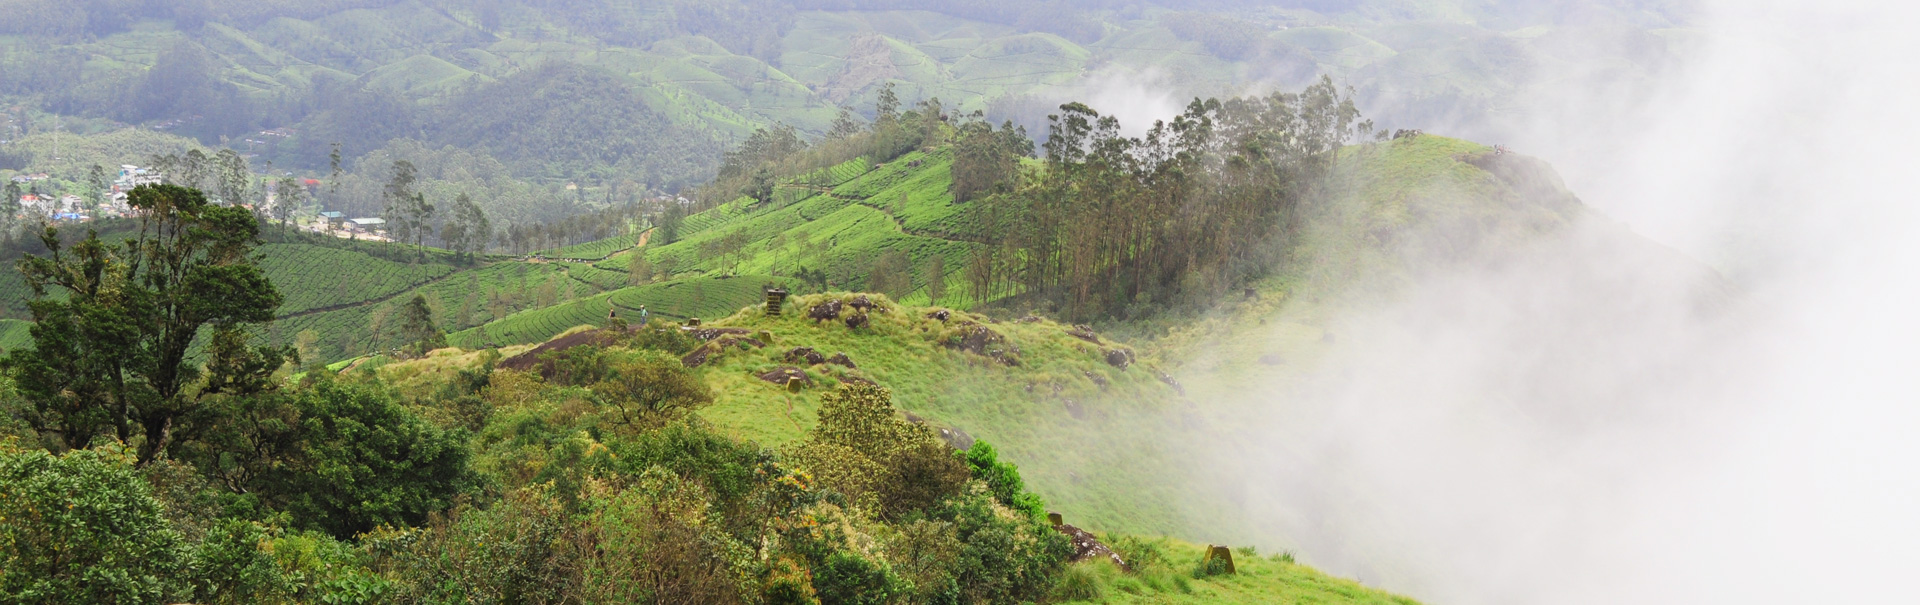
(1003, 479)
(651, 543)
(850, 579)
(647, 388)
(730, 469)
(523, 549)
(232, 565)
(1004, 558)
(363, 460)
(661, 336)
(918, 478)
(83, 528)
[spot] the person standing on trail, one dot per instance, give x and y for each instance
(643, 315)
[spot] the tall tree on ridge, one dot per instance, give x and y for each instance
(111, 356)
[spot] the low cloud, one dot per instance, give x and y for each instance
(1590, 420)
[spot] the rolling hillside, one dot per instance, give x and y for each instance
(1102, 423)
(687, 79)
(1100, 442)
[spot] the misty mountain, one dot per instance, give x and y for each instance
(701, 74)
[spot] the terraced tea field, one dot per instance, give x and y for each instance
(594, 250)
(704, 297)
(13, 334)
(535, 325)
(316, 277)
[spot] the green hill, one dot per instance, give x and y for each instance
(485, 77)
(1100, 423)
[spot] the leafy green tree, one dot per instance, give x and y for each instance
(648, 388)
(667, 230)
(760, 185)
(986, 161)
(231, 567)
(114, 325)
(467, 229)
(850, 579)
(408, 215)
(1003, 479)
(288, 196)
(363, 461)
(9, 210)
(333, 175)
(416, 323)
(83, 528)
(232, 178)
(1004, 559)
(844, 126)
(98, 183)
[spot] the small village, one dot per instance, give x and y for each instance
(40, 197)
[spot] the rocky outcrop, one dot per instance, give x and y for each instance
(825, 311)
(841, 359)
(805, 354)
(785, 374)
(1086, 546)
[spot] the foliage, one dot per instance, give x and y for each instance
(648, 388)
(416, 322)
(233, 566)
(363, 461)
(653, 544)
(113, 355)
(987, 161)
(1116, 226)
(854, 580)
(1004, 558)
(83, 528)
(467, 230)
(523, 549)
(407, 212)
(1002, 479)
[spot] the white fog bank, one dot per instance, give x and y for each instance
(1574, 427)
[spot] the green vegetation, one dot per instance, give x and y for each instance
(536, 90)
(594, 250)
(14, 334)
(316, 277)
(412, 455)
(112, 355)
(618, 440)
(1164, 572)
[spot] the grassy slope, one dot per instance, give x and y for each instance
(895, 207)
(1114, 465)
(1259, 580)
(1106, 456)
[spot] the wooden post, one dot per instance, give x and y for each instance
(776, 298)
